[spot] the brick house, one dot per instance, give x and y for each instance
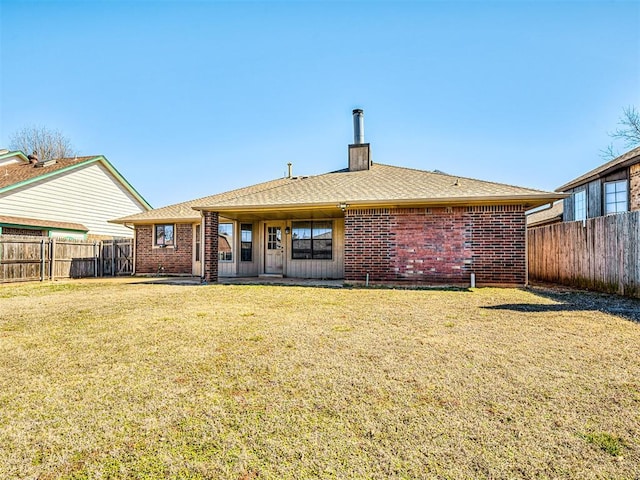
(613, 187)
(369, 221)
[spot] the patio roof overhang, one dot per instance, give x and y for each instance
(336, 209)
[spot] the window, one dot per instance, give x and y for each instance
(225, 242)
(311, 240)
(580, 205)
(246, 242)
(615, 197)
(163, 235)
(197, 242)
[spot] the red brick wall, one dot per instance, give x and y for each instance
(436, 245)
(177, 260)
(210, 246)
(634, 187)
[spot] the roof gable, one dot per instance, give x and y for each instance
(18, 175)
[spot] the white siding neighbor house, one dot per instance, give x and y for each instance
(70, 197)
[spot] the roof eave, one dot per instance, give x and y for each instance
(597, 173)
(151, 221)
(531, 201)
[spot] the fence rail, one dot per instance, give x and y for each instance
(24, 258)
(600, 253)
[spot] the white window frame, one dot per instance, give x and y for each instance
(222, 256)
(616, 206)
(580, 205)
(164, 244)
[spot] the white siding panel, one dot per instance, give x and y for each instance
(88, 195)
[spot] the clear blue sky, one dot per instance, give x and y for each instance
(189, 99)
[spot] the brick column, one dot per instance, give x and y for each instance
(210, 246)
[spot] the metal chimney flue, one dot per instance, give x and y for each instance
(359, 152)
(358, 127)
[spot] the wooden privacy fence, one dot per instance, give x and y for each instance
(601, 253)
(43, 258)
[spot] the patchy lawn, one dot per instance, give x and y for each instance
(116, 379)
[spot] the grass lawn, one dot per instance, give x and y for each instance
(117, 379)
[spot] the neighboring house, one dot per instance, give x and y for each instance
(367, 222)
(545, 216)
(69, 197)
(611, 188)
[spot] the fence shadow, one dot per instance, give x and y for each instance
(576, 301)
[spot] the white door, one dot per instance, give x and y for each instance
(197, 250)
(273, 249)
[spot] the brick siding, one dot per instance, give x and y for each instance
(634, 187)
(210, 246)
(177, 260)
(437, 245)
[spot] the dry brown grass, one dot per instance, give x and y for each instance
(122, 380)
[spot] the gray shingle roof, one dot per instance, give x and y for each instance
(382, 185)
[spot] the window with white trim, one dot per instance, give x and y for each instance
(615, 197)
(580, 205)
(164, 235)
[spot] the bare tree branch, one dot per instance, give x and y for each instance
(609, 153)
(629, 132)
(48, 144)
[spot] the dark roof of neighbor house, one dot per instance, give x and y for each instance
(626, 159)
(17, 174)
(546, 216)
(44, 224)
(380, 186)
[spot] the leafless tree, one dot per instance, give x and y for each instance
(628, 132)
(46, 143)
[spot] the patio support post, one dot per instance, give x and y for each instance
(210, 246)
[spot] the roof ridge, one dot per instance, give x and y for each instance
(461, 177)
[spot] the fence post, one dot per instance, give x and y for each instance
(113, 257)
(95, 259)
(43, 260)
(52, 251)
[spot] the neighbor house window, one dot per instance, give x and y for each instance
(246, 242)
(580, 205)
(615, 197)
(225, 242)
(311, 240)
(164, 235)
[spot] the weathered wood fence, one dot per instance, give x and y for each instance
(43, 258)
(601, 254)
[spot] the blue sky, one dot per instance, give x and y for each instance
(192, 98)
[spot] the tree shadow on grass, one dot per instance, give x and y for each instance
(568, 300)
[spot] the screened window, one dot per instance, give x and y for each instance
(225, 242)
(312, 240)
(163, 235)
(615, 197)
(580, 205)
(246, 242)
